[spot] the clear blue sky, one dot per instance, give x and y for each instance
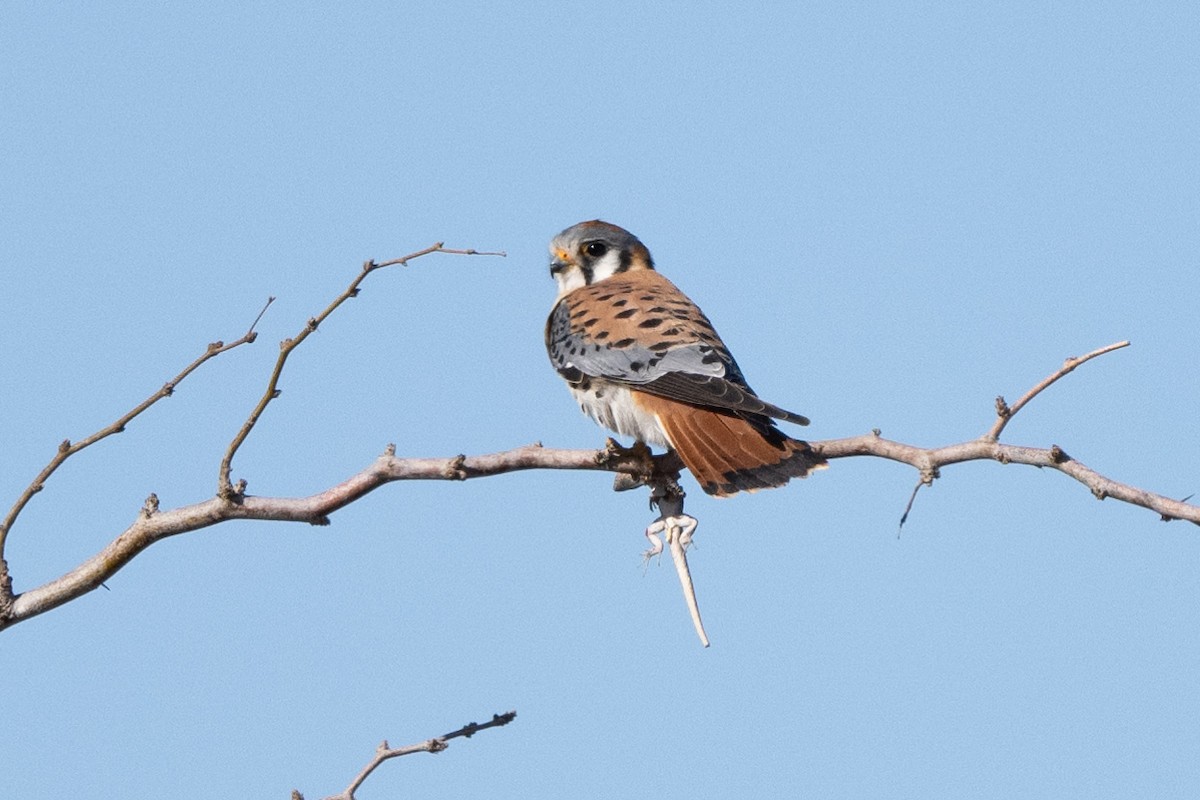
(892, 213)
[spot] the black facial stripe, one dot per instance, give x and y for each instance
(588, 272)
(626, 260)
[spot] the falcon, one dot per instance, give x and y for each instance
(643, 361)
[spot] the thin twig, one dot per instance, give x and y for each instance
(384, 752)
(225, 489)
(1005, 412)
(912, 498)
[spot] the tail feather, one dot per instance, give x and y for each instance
(728, 453)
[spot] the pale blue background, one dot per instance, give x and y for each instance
(892, 212)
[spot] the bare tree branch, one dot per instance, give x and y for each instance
(153, 525)
(385, 751)
(928, 462)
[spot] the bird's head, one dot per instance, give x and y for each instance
(589, 252)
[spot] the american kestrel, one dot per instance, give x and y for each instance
(644, 361)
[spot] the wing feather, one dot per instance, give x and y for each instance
(586, 337)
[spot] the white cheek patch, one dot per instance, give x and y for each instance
(606, 267)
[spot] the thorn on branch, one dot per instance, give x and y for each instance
(64, 445)
(390, 450)
(876, 432)
(217, 345)
(454, 468)
(169, 387)
(1058, 455)
(1166, 518)
(1002, 409)
(150, 507)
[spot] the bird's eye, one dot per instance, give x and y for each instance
(595, 249)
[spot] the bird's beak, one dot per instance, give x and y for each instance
(559, 262)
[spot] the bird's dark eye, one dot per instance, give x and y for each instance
(595, 249)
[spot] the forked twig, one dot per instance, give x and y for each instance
(225, 488)
(1004, 413)
(67, 448)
